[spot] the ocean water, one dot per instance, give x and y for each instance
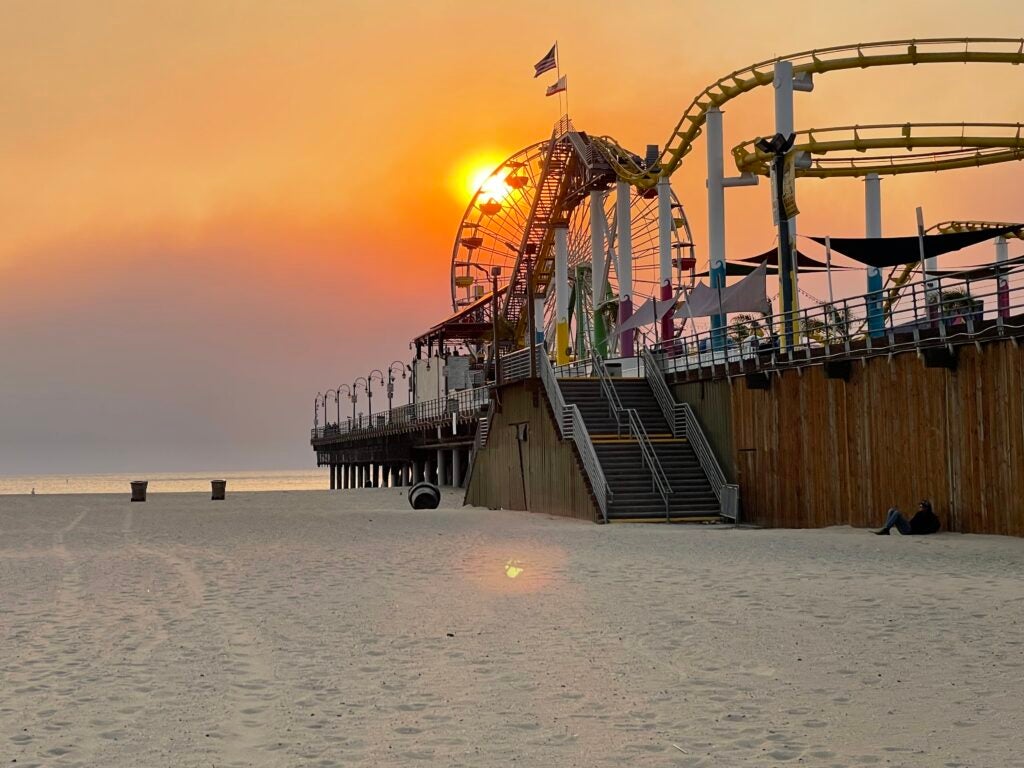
(168, 482)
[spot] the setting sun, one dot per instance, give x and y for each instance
(478, 171)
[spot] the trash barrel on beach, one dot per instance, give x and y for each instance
(424, 495)
(218, 487)
(139, 489)
(614, 370)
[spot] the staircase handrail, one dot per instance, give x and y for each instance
(726, 493)
(683, 417)
(673, 412)
(608, 390)
(636, 430)
(650, 458)
(571, 426)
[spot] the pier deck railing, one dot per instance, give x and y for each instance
(938, 311)
(462, 403)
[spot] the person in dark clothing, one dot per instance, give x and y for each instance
(924, 522)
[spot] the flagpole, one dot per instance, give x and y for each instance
(558, 76)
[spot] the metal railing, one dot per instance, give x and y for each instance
(937, 311)
(571, 427)
(461, 403)
(673, 412)
(685, 424)
(649, 458)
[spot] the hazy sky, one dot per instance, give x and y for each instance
(213, 209)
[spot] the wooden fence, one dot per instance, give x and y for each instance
(812, 451)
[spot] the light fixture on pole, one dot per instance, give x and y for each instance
(391, 378)
(355, 393)
(779, 146)
(369, 391)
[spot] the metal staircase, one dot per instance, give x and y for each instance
(651, 473)
(535, 250)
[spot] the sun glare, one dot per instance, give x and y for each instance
(477, 172)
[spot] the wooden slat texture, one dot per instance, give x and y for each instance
(812, 452)
(554, 482)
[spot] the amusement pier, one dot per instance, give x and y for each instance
(599, 364)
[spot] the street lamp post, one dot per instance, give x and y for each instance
(316, 410)
(325, 407)
(337, 399)
(369, 393)
(355, 393)
(391, 378)
(779, 146)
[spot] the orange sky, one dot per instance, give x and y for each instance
(257, 198)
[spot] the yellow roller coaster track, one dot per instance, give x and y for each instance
(966, 50)
(946, 227)
(946, 146)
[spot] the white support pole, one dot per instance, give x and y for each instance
(441, 467)
(538, 319)
(782, 83)
(562, 294)
(716, 211)
(1002, 284)
(597, 269)
(457, 467)
(873, 229)
(929, 261)
(624, 269)
(665, 227)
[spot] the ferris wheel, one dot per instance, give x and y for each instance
(492, 229)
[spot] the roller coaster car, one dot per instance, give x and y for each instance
(490, 208)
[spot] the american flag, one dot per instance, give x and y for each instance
(548, 63)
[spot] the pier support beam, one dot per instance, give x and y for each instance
(782, 83)
(457, 464)
(561, 294)
(1002, 284)
(442, 467)
(597, 270)
(716, 214)
(624, 247)
(873, 228)
(375, 480)
(665, 226)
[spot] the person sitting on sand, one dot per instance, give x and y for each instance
(924, 522)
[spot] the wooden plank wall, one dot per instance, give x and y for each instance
(813, 452)
(554, 482)
(712, 403)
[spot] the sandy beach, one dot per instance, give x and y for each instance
(343, 629)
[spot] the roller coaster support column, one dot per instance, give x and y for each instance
(597, 269)
(665, 252)
(624, 234)
(1002, 284)
(784, 86)
(873, 228)
(561, 294)
(716, 216)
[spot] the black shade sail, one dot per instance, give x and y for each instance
(893, 251)
(984, 272)
(803, 261)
